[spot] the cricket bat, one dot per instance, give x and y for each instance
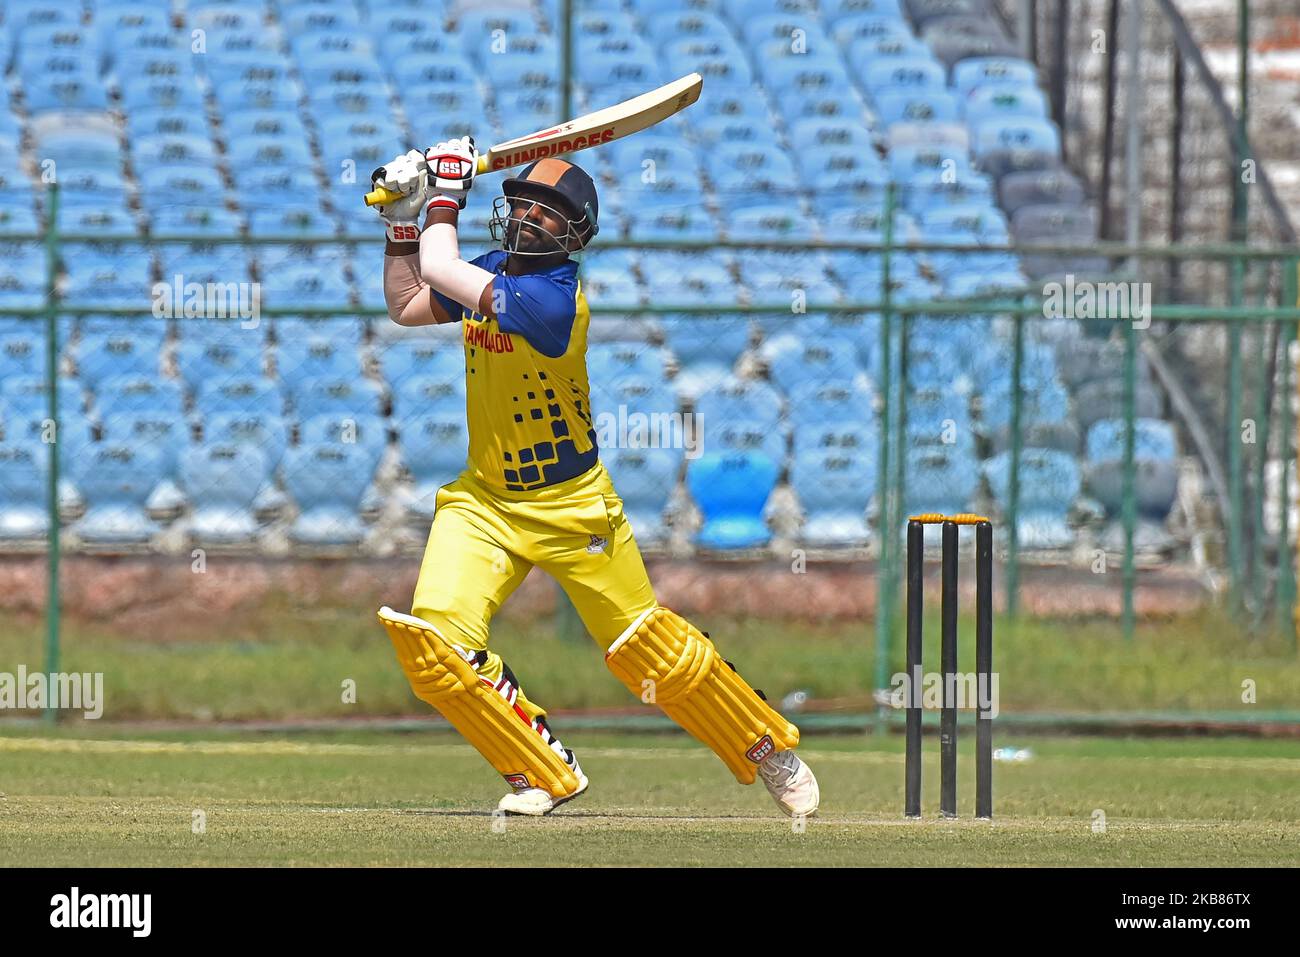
(594, 129)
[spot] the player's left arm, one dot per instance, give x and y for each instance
(451, 174)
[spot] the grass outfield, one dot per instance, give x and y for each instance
(275, 663)
(364, 798)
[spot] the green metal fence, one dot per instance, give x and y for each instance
(1255, 586)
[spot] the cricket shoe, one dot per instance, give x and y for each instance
(536, 802)
(791, 784)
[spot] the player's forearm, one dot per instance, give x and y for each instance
(441, 266)
(407, 297)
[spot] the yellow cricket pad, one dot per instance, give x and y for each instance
(441, 677)
(663, 655)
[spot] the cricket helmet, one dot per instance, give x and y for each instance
(558, 185)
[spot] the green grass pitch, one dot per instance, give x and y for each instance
(109, 797)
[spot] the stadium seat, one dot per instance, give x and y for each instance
(1155, 480)
(265, 431)
(367, 432)
(1049, 484)
(164, 432)
(834, 487)
(645, 479)
(731, 491)
(434, 448)
(205, 362)
(131, 351)
(328, 481)
(222, 481)
(24, 484)
(115, 479)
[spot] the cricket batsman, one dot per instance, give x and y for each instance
(534, 492)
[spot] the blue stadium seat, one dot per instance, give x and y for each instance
(320, 18)
(731, 492)
(22, 353)
(917, 106)
(834, 487)
(346, 395)
(204, 362)
(132, 351)
(23, 395)
(95, 219)
(992, 71)
(106, 279)
(992, 103)
(690, 223)
(476, 25)
(406, 359)
(818, 400)
(673, 25)
(645, 479)
(265, 431)
(1045, 420)
(611, 362)
(24, 509)
(328, 482)
(234, 95)
(835, 11)
(367, 432)
(525, 107)
(341, 329)
(140, 392)
(1156, 466)
(434, 448)
(741, 399)
(1025, 134)
(304, 287)
(793, 359)
(164, 431)
(890, 46)
(194, 220)
(147, 92)
(1049, 484)
(906, 162)
(694, 339)
(22, 276)
(939, 479)
(742, 171)
(115, 479)
(268, 151)
(299, 361)
(171, 187)
(275, 125)
(246, 395)
(222, 481)
(904, 73)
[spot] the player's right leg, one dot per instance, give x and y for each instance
(442, 646)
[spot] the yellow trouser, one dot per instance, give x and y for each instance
(484, 542)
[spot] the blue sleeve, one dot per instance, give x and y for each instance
(538, 307)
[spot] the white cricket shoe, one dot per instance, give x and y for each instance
(791, 784)
(535, 802)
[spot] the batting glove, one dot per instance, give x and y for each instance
(407, 174)
(452, 164)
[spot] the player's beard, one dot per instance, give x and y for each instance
(525, 237)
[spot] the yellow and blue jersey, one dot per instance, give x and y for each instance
(526, 389)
